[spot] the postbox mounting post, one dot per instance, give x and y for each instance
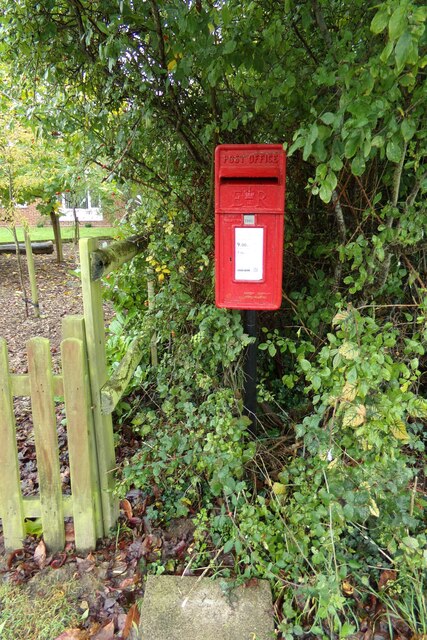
(250, 370)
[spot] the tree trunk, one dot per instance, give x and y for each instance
(57, 234)
(76, 226)
(21, 273)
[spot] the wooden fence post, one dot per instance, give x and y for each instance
(95, 340)
(74, 327)
(46, 438)
(78, 412)
(11, 505)
(32, 274)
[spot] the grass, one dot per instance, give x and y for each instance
(44, 615)
(46, 233)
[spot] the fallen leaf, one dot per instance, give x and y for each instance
(388, 575)
(105, 633)
(72, 634)
(40, 555)
(132, 619)
(347, 588)
(128, 582)
(127, 508)
(69, 532)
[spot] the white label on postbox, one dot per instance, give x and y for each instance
(249, 254)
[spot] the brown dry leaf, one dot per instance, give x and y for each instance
(40, 555)
(347, 588)
(128, 582)
(388, 575)
(73, 634)
(132, 619)
(69, 532)
(127, 508)
(150, 542)
(105, 633)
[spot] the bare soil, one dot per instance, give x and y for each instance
(59, 295)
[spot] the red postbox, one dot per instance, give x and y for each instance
(249, 223)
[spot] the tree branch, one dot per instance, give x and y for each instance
(321, 23)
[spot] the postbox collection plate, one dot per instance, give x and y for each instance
(249, 225)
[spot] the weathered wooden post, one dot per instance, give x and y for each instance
(46, 438)
(95, 340)
(83, 454)
(32, 274)
(11, 505)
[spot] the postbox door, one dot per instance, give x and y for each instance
(249, 225)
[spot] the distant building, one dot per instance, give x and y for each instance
(88, 210)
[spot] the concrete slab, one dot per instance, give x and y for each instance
(187, 608)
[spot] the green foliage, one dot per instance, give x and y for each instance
(147, 90)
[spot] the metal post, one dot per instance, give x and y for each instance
(250, 370)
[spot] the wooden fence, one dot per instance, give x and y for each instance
(89, 399)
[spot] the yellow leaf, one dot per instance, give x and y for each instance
(354, 416)
(172, 65)
(373, 508)
(279, 489)
(348, 350)
(349, 391)
(399, 431)
(347, 588)
(340, 317)
(418, 408)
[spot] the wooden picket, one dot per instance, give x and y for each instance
(89, 398)
(12, 510)
(84, 504)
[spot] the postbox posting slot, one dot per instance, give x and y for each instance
(248, 180)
